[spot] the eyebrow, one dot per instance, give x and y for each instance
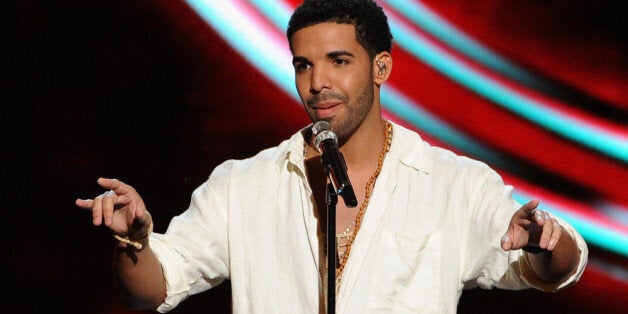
(335, 54)
(331, 55)
(298, 59)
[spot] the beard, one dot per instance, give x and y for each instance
(356, 114)
(357, 111)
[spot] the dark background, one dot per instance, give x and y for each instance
(146, 92)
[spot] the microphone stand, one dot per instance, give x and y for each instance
(326, 142)
(332, 200)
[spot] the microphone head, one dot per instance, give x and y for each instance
(325, 135)
(322, 131)
(320, 126)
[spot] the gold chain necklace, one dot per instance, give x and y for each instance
(367, 194)
(342, 239)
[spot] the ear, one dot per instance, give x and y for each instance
(382, 65)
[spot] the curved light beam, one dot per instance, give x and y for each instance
(573, 129)
(407, 109)
(428, 20)
(266, 52)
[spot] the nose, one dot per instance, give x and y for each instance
(319, 80)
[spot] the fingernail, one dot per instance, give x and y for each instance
(505, 238)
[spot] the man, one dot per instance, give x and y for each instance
(428, 223)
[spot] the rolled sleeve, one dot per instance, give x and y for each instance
(534, 281)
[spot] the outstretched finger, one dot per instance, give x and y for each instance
(556, 233)
(124, 192)
(108, 206)
(115, 185)
(530, 208)
(547, 230)
(84, 203)
(97, 210)
(90, 204)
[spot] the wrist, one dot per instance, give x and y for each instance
(137, 243)
(534, 249)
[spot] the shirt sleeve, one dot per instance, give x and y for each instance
(486, 265)
(534, 281)
(193, 252)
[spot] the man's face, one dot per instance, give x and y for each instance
(333, 76)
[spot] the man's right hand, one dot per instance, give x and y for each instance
(121, 208)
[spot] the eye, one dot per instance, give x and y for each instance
(300, 66)
(340, 62)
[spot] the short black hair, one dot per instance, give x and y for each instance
(371, 24)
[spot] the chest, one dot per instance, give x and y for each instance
(345, 215)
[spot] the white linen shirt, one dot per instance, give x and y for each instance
(432, 228)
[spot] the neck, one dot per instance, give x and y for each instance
(362, 148)
(365, 144)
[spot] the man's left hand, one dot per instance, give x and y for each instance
(531, 227)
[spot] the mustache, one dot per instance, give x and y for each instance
(327, 96)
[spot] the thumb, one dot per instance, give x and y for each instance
(506, 240)
(141, 226)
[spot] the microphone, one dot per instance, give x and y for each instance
(326, 141)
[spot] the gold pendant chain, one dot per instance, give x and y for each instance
(367, 194)
(342, 239)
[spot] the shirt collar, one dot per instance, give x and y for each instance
(294, 151)
(409, 148)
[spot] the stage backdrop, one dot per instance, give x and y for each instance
(157, 93)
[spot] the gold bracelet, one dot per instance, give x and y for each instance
(135, 244)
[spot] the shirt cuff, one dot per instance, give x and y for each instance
(175, 284)
(533, 280)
